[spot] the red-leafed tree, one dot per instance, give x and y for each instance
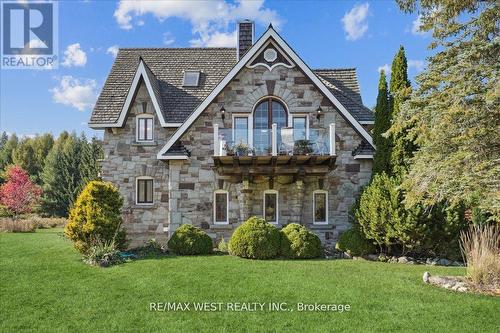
(19, 194)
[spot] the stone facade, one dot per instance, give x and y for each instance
(184, 189)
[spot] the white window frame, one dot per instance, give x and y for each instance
(277, 205)
(300, 115)
(197, 78)
(314, 207)
(249, 126)
(215, 206)
(144, 116)
(137, 191)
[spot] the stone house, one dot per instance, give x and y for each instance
(212, 136)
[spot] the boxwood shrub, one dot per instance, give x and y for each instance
(299, 243)
(190, 240)
(255, 239)
(354, 243)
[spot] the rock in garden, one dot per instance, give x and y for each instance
(444, 262)
(403, 260)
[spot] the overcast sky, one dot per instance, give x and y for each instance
(325, 34)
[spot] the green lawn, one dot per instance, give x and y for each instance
(46, 288)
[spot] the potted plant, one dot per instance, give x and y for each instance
(241, 149)
(229, 150)
(302, 147)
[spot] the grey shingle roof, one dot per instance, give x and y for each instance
(343, 83)
(165, 67)
(364, 148)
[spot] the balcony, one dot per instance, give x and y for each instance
(272, 152)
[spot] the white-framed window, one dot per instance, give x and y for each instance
(191, 78)
(320, 207)
(221, 207)
(271, 206)
(144, 190)
(240, 129)
(144, 128)
(300, 125)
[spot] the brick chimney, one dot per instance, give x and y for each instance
(245, 37)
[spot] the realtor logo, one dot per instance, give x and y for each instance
(29, 35)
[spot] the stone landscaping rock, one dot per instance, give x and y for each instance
(371, 257)
(403, 260)
(444, 262)
(448, 282)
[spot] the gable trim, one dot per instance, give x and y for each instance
(270, 33)
(140, 73)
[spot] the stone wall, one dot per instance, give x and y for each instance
(183, 190)
(125, 159)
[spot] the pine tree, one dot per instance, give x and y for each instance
(382, 158)
(455, 112)
(400, 88)
(6, 152)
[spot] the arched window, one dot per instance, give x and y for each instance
(269, 111)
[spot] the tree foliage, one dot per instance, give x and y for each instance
(382, 124)
(19, 194)
(96, 217)
(454, 115)
(31, 153)
(69, 166)
(401, 147)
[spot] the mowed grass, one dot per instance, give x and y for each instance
(45, 287)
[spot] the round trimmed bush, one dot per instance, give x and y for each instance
(255, 239)
(96, 217)
(299, 243)
(354, 243)
(190, 240)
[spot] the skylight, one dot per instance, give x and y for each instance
(191, 78)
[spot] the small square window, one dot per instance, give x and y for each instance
(191, 78)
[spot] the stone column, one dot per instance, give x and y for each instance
(245, 200)
(297, 202)
(174, 216)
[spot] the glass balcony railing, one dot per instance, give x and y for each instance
(274, 141)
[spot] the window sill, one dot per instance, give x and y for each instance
(144, 206)
(144, 143)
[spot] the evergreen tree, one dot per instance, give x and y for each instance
(382, 158)
(400, 88)
(70, 165)
(6, 152)
(3, 140)
(455, 112)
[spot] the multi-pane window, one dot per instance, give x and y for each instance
(299, 128)
(320, 207)
(268, 112)
(240, 130)
(271, 206)
(145, 129)
(221, 207)
(144, 193)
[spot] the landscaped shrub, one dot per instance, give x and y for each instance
(298, 242)
(17, 225)
(103, 254)
(222, 246)
(96, 217)
(190, 240)
(255, 239)
(480, 246)
(151, 248)
(354, 243)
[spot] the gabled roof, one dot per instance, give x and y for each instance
(343, 83)
(167, 66)
(320, 84)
